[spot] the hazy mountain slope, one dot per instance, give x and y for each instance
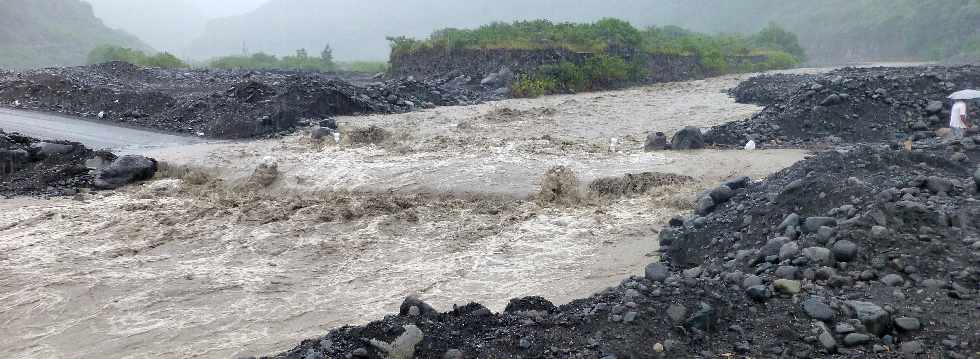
(166, 25)
(357, 30)
(37, 33)
(845, 30)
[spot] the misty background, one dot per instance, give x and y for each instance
(832, 31)
(355, 30)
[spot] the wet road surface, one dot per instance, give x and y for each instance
(90, 133)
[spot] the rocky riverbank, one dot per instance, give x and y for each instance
(854, 253)
(34, 167)
(850, 105)
(217, 103)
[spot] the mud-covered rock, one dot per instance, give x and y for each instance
(656, 142)
(689, 138)
(125, 170)
(423, 308)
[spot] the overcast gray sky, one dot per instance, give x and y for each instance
(222, 8)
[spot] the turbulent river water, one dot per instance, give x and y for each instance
(167, 271)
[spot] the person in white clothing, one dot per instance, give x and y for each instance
(957, 119)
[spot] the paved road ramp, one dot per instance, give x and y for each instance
(92, 134)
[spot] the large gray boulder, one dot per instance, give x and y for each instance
(423, 308)
(689, 138)
(817, 309)
(125, 170)
(845, 250)
(656, 272)
(874, 318)
(721, 194)
(812, 224)
(704, 206)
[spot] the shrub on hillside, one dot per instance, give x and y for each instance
(164, 60)
(537, 34)
(597, 73)
(107, 53)
(531, 86)
(301, 61)
(774, 37)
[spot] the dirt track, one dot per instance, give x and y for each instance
(174, 269)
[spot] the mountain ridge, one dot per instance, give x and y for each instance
(44, 33)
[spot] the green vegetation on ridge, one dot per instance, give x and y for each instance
(106, 53)
(301, 61)
(259, 61)
(619, 51)
(606, 35)
(538, 34)
(597, 72)
(837, 31)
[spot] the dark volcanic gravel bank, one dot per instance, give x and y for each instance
(29, 166)
(865, 252)
(852, 105)
(34, 167)
(766, 90)
(213, 103)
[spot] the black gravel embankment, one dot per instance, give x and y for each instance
(215, 103)
(851, 105)
(766, 90)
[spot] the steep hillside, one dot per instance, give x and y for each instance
(38, 33)
(846, 30)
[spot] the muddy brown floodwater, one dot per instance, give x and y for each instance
(190, 268)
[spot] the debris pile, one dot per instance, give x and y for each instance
(868, 251)
(851, 105)
(217, 103)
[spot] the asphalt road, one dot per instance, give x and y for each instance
(92, 134)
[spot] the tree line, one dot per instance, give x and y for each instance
(300, 61)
